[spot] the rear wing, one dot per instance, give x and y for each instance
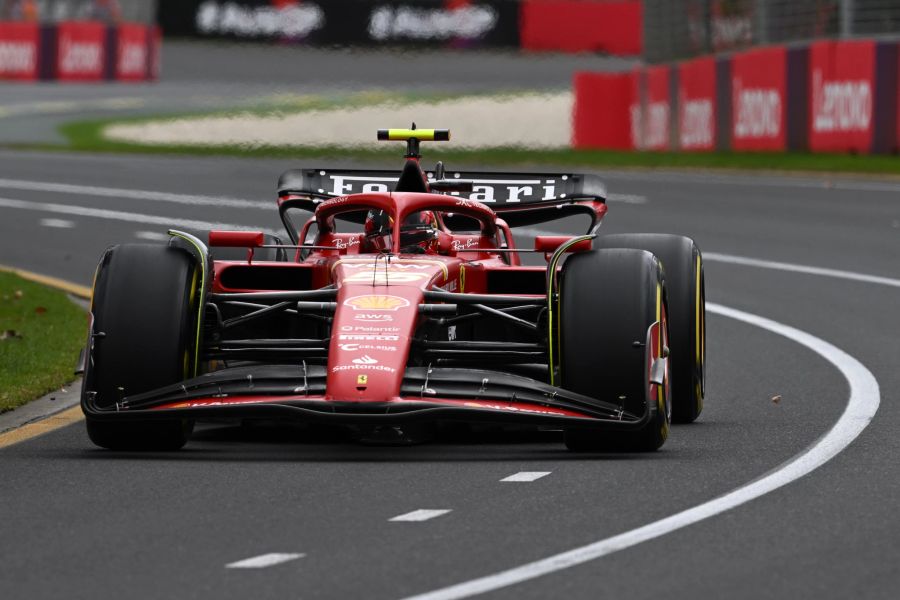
(519, 198)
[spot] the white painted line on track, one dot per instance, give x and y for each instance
(264, 560)
(151, 236)
(795, 268)
(526, 476)
(865, 397)
(627, 198)
(105, 192)
(57, 223)
(118, 215)
(423, 514)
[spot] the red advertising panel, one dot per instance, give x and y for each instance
(613, 27)
(758, 97)
(842, 96)
(133, 52)
(697, 104)
(602, 115)
(19, 51)
(81, 51)
(658, 109)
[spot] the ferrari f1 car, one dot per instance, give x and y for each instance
(401, 304)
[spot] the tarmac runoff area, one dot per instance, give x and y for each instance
(522, 120)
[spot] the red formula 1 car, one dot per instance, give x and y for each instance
(401, 304)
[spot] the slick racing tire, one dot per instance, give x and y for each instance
(609, 299)
(144, 337)
(683, 266)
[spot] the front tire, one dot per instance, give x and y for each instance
(609, 300)
(683, 266)
(143, 337)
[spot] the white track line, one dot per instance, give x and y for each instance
(264, 560)
(865, 397)
(423, 514)
(105, 192)
(119, 215)
(627, 198)
(783, 266)
(152, 236)
(526, 476)
(58, 223)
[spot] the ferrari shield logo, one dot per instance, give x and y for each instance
(362, 379)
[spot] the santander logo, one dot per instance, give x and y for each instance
(757, 112)
(80, 57)
(840, 106)
(17, 57)
(696, 123)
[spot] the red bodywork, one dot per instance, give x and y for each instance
(368, 335)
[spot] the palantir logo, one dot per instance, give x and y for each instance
(757, 111)
(841, 106)
(17, 57)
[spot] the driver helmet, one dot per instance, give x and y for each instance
(418, 233)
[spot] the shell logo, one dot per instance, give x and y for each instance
(379, 302)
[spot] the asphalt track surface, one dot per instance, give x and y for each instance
(78, 522)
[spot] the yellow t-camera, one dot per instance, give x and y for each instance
(423, 135)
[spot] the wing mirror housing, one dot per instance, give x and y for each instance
(550, 243)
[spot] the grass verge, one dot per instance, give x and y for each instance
(41, 334)
(87, 136)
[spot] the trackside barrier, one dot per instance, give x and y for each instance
(79, 51)
(607, 26)
(611, 27)
(600, 101)
(828, 96)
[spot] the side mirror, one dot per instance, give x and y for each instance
(236, 239)
(549, 243)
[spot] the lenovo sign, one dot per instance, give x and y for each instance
(19, 43)
(697, 104)
(758, 92)
(81, 51)
(842, 80)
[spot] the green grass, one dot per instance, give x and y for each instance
(87, 136)
(43, 332)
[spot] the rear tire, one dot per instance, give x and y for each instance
(609, 299)
(683, 266)
(144, 337)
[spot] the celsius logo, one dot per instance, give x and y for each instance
(80, 57)
(365, 360)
